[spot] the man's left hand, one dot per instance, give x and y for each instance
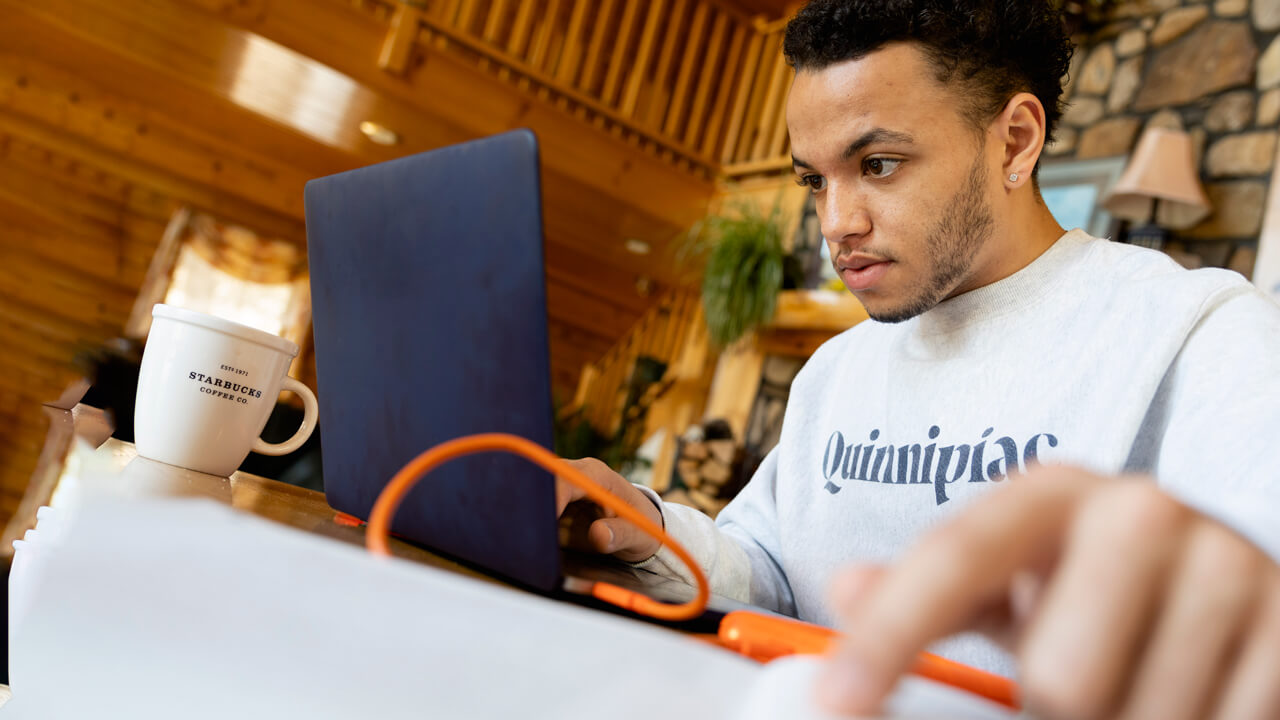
(1117, 601)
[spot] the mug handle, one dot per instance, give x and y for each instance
(309, 413)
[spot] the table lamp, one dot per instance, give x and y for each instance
(1161, 173)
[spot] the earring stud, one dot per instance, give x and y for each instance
(1013, 177)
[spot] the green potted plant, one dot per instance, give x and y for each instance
(743, 271)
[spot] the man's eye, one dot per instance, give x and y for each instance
(880, 167)
(815, 183)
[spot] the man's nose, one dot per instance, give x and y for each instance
(844, 217)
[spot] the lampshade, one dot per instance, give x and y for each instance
(1160, 169)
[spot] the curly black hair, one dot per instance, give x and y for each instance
(993, 48)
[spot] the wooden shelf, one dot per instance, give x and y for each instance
(817, 310)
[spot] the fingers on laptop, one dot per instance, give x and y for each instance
(597, 471)
(607, 533)
(623, 540)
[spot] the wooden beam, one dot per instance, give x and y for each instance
(621, 43)
(398, 47)
(771, 112)
(692, 45)
(566, 70)
(591, 63)
(712, 138)
(732, 135)
(710, 61)
(641, 65)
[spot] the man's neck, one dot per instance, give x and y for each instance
(1028, 230)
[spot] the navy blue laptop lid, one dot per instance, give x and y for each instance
(429, 315)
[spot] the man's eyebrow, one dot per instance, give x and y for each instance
(876, 135)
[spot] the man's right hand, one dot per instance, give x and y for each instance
(610, 534)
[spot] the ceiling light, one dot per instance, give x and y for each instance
(637, 247)
(380, 134)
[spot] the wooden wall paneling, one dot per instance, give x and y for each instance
(584, 343)
(14, 199)
(660, 99)
(578, 310)
(579, 216)
(772, 110)
(58, 282)
(692, 48)
(571, 268)
(61, 202)
(58, 101)
(447, 11)
(778, 142)
(211, 54)
(254, 216)
(85, 254)
(711, 62)
(89, 303)
(622, 40)
(467, 14)
(568, 62)
(493, 22)
(182, 103)
(599, 30)
(756, 107)
(45, 330)
(712, 139)
(542, 38)
(73, 176)
(644, 53)
(521, 28)
(733, 133)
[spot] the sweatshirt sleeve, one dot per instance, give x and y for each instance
(738, 551)
(1215, 422)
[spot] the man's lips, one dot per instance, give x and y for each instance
(857, 261)
(862, 272)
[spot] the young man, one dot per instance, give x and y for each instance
(973, 433)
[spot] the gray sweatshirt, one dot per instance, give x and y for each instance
(1097, 354)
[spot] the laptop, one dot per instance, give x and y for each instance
(429, 314)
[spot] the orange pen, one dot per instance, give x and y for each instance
(766, 637)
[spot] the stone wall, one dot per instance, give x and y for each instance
(1210, 67)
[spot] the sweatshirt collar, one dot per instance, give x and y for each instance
(1012, 293)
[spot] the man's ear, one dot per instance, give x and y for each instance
(1021, 127)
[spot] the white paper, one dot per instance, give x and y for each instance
(185, 608)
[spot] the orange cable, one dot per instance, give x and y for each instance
(389, 499)
(758, 636)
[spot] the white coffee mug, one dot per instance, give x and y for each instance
(206, 389)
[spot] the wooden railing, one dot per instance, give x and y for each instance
(663, 335)
(693, 81)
